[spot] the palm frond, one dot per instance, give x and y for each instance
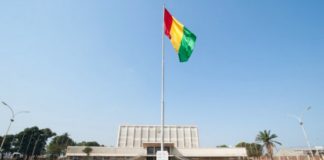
(273, 136)
(277, 142)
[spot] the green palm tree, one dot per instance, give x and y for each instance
(268, 141)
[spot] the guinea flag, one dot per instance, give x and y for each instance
(182, 39)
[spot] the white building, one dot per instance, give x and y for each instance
(302, 151)
(140, 142)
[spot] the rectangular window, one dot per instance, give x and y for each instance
(150, 151)
(75, 158)
(150, 158)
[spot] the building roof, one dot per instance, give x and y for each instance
(300, 151)
(134, 136)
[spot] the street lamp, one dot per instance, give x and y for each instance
(13, 115)
(301, 123)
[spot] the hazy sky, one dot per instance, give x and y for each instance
(86, 67)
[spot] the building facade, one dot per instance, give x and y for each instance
(141, 142)
(302, 153)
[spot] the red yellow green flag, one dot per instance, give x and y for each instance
(182, 39)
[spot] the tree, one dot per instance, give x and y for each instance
(252, 149)
(32, 141)
(7, 145)
(268, 141)
(90, 143)
(222, 146)
(255, 150)
(59, 144)
(87, 150)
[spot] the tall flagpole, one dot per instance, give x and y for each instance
(162, 84)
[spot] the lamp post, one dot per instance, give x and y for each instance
(13, 115)
(301, 123)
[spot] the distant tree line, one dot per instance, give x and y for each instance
(33, 142)
(265, 142)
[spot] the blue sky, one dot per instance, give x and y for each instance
(85, 67)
